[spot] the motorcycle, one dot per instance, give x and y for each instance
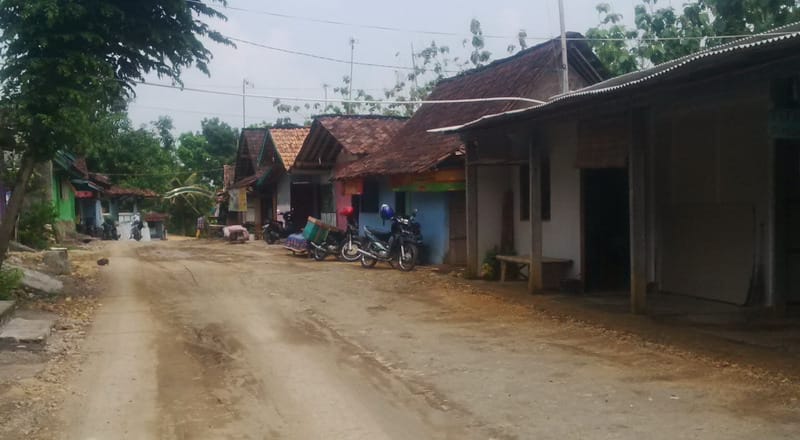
(400, 245)
(275, 230)
(110, 230)
(343, 244)
(136, 230)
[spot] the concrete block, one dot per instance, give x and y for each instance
(38, 281)
(28, 332)
(6, 309)
(57, 260)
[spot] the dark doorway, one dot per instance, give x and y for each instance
(787, 220)
(305, 197)
(606, 229)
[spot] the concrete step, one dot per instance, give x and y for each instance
(6, 310)
(22, 333)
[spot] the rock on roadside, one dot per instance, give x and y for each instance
(38, 281)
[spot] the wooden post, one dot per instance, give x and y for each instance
(534, 165)
(637, 172)
(473, 259)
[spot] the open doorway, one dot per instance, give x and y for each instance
(305, 202)
(606, 227)
(787, 220)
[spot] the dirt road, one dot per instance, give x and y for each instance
(201, 340)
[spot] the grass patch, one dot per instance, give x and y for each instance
(10, 280)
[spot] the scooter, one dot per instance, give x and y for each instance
(343, 244)
(399, 245)
(136, 230)
(275, 230)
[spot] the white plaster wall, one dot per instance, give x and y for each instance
(284, 195)
(493, 182)
(561, 235)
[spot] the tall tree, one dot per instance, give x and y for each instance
(163, 126)
(662, 34)
(67, 62)
(208, 150)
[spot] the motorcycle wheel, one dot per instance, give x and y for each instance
(271, 237)
(367, 261)
(318, 254)
(350, 251)
(406, 261)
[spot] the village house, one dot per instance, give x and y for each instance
(333, 142)
(681, 179)
(261, 183)
(425, 171)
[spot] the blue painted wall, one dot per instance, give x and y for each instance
(433, 217)
(372, 219)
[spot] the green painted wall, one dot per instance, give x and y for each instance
(63, 198)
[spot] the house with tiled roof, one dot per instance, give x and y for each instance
(420, 170)
(677, 181)
(260, 183)
(333, 142)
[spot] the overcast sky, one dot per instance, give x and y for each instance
(280, 74)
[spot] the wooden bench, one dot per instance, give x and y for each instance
(554, 270)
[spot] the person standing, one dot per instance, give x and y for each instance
(201, 226)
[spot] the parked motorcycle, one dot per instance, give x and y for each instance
(400, 245)
(342, 244)
(274, 230)
(136, 228)
(110, 230)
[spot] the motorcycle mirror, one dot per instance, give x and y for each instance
(415, 211)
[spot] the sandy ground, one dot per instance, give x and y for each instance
(203, 340)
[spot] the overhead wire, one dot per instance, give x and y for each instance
(490, 36)
(347, 101)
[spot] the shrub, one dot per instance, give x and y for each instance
(10, 280)
(32, 231)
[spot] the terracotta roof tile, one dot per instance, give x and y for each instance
(254, 139)
(362, 134)
(532, 73)
(288, 142)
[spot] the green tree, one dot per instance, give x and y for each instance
(132, 157)
(163, 126)
(68, 62)
(662, 34)
(207, 151)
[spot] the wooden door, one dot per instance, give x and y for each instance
(457, 253)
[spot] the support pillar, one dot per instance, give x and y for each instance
(473, 259)
(637, 175)
(535, 166)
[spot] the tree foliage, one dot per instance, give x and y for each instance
(132, 157)
(665, 33)
(207, 151)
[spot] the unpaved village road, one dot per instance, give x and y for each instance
(203, 340)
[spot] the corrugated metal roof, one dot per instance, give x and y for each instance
(774, 38)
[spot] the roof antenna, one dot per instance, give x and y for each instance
(564, 65)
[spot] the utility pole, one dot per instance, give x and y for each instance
(245, 83)
(564, 62)
(350, 91)
(325, 88)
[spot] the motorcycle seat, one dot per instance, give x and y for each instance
(379, 233)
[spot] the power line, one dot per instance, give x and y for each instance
(179, 110)
(171, 173)
(323, 57)
(504, 37)
(387, 102)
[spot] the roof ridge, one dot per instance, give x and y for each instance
(570, 35)
(359, 116)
